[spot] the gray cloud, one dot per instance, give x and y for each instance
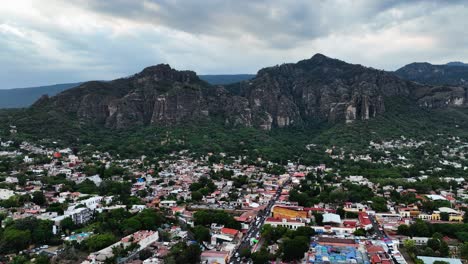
(54, 41)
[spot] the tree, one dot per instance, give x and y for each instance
(42, 259)
(145, 254)
(462, 236)
(260, 257)
(464, 250)
(318, 218)
(181, 253)
(434, 244)
(245, 253)
(444, 216)
(67, 224)
(42, 232)
(197, 196)
(444, 249)
(39, 198)
(294, 249)
(20, 259)
(15, 240)
(379, 204)
(201, 233)
(98, 242)
(420, 228)
(410, 245)
(341, 212)
(304, 231)
(403, 230)
(360, 232)
(207, 217)
(131, 225)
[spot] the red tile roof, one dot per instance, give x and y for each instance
(372, 249)
(229, 231)
(364, 219)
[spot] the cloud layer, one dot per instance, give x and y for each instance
(52, 41)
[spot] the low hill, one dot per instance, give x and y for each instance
(24, 97)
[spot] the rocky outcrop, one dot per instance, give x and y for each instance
(319, 89)
(441, 85)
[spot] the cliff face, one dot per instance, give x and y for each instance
(314, 90)
(442, 85)
(320, 88)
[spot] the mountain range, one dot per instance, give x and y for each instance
(453, 73)
(24, 97)
(315, 90)
(282, 109)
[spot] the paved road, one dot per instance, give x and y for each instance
(255, 227)
(377, 229)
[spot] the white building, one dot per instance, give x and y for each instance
(291, 224)
(5, 194)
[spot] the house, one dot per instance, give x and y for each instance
(378, 255)
(13, 180)
(330, 218)
(80, 215)
(454, 215)
(430, 260)
(143, 238)
(291, 224)
(364, 220)
(354, 207)
(289, 212)
(5, 194)
(27, 159)
(167, 203)
(212, 257)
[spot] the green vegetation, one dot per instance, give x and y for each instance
(293, 246)
(425, 229)
(99, 241)
(435, 247)
(207, 217)
(19, 234)
(181, 253)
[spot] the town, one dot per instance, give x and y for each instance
(64, 205)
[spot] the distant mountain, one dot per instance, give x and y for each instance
(427, 73)
(457, 63)
(315, 90)
(226, 78)
(24, 97)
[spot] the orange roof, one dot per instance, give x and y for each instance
(229, 231)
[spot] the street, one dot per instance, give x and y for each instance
(255, 227)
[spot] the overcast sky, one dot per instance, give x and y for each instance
(51, 41)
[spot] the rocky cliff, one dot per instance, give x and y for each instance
(443, 85)
(319, 89)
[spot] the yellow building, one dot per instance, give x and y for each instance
(289, 212)
(457, 218)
